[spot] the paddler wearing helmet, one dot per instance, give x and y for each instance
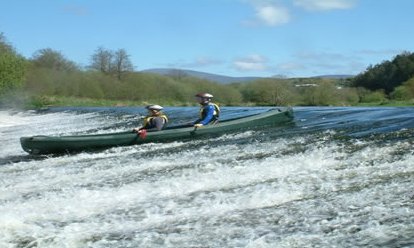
(209, 111)
(156, 120)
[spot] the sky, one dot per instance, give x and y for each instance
(265, 38)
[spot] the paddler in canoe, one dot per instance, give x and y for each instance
(155, 120)
(209, 111)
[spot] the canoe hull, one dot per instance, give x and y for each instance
(61, 144)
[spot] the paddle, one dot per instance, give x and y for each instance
(195, 128)
(194, 131)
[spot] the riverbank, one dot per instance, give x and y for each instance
(26, 102)
(55, 101)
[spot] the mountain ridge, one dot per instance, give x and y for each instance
(175, 72)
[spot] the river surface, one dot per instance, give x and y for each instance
(334, 177)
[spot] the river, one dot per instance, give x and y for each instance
(334, 177)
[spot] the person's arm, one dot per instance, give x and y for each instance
(159, 123)
(196, 121)
(209, 115)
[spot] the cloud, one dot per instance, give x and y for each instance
(320, 56)
(324, 5)
(251, 63)
(268, 13)
(321, 63)
(272, 15)
(326, 61)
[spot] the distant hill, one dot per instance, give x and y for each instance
(208, 76)
(221, 78)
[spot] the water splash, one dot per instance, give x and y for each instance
(317, 186)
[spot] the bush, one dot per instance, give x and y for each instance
(377, 96)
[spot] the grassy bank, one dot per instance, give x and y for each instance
(36, 102)
(390, 103)
(59, 101)
(50, 101)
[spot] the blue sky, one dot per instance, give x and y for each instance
(294, 38)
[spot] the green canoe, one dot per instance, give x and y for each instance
(60, 144)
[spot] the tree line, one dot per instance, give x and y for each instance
(48, 76)
(392, 78)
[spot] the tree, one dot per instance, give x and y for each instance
(12, 67)
(122, 63)
(52, 59)
(109, 62)
(387, 75)
(377, 96)
(102, 60)
(267, 92)
(5, 47)
(405, 91)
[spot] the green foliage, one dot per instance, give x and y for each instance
(347, 96)
(401, 93)
(223, 94)
(137, 87)
(12, 67)
(374, 97)
(268, 92)
(51, 59)
(12, 71)
(409, 86)
(40, 81)
(322, 94)
(5, 47)
(50, 79)
(388, 75)
(405, 91)
(297, 91)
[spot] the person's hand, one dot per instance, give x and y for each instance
(142, 133)
(136, 130)
(198, 125)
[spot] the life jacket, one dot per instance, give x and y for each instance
(216, 113)
(148, 121)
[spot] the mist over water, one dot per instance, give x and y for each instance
(335, 177)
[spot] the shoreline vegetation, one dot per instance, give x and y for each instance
(78, 102)
(49, 79)
(45, 102)
(53, 101)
